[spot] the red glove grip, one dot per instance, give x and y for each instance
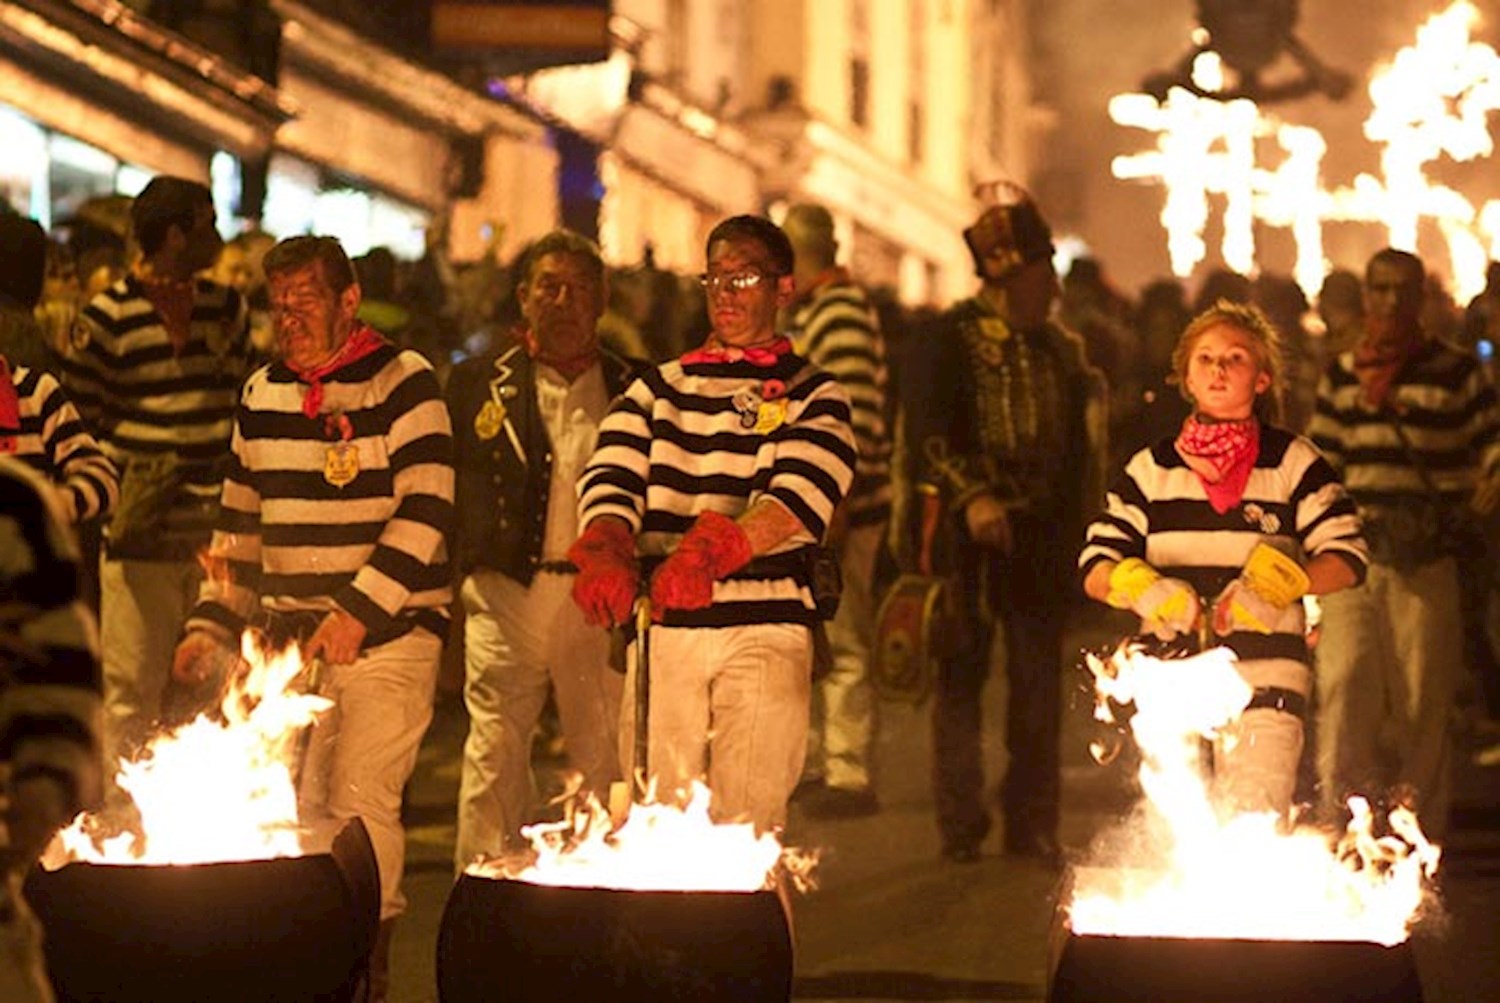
(607, 576)
(714, 547)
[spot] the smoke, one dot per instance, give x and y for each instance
(1086, 52)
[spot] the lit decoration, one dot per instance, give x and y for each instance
(213, 790)
(1430, 103)
(659, 847)
(1189, 872)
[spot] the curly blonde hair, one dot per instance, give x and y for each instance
(1244, 317)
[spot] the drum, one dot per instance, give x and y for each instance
(910, 628)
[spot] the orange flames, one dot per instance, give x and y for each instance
(213, 789)
(1188, 872)
(1430, 103)
(660, 847)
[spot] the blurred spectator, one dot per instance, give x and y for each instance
(1222, 284)
(1282, 301)
(1160, 407)
(1341, 305)
(379, 308)
(239, 268)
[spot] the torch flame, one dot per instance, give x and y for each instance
(1431, 103)
(213, 790)
(660, 847)
(1242, 877)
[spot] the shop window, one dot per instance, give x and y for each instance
(23, 167)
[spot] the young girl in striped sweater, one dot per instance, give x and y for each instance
(1219, 532)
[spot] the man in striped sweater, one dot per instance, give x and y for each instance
(334, 533)
(49, 706)
(1411, 425)
(836, 329)
(155, 364)
(722, 469)
(38, 423)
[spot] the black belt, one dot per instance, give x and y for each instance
(557, 568)
(788, 564)
(1277, 698)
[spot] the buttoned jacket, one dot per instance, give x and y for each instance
(504, 479)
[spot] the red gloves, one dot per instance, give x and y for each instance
(714, 547)
(607, 576)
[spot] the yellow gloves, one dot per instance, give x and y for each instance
(1167, 606)
(1269, 582)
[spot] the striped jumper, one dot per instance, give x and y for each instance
(684, 439)
(1447, 410)
(377, 545)
(165, 413)
(1158, 511)
(54, 441)
(838, 331)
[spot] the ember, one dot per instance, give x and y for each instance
(212, 790)
(1239, 877)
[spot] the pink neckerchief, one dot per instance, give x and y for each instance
(362, 342)
(765, 356)
(10, 409)
(1222, 454)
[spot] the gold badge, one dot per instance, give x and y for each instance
(994, 329)
(489, 419)
(341, 465)
(770, 416)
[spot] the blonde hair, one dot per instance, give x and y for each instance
(1248, 318)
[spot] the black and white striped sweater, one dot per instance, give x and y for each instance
(55, 442)
(683, 440)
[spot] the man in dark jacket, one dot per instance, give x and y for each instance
(1005, 433)
(525, 418)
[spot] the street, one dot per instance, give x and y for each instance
(892, 920)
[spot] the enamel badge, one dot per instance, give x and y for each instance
(490, 418)
(341, 464)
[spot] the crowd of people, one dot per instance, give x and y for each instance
(608, 488)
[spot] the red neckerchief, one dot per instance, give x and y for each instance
(10, 409)
(1376, 367)
(172, 299)
(765, 356)
(571, 367)
(1222, 454)
(360, 343)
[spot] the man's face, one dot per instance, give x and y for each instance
(744, 292)
(1029, 295)
(201, 241)
(311, 320)
(1393, 300)
(562, 302)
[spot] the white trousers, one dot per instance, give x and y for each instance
(362, 752)
(843, 703)
(1256, 758)
(519, 642)
(142, 607)
(728, 704)
(1389, 662)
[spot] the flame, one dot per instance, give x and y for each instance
(212, 790)
(1430, 103)
(1188, 872)
(660, 847)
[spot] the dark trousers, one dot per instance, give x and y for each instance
(1031, 602)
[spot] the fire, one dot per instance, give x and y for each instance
(1192, 873)
(1429, 104)
(212, 790)
(660, 847)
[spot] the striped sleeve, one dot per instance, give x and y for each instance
(840, 333)
(813, 459)
(614, 481)
(55, 441)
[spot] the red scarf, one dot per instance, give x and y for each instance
(765, 356)
(360, 343)
(1376, 365)
(1222, 454)
(10, 409)
(172, 299)
(571, 367)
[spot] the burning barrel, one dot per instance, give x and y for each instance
(288, 928)
(1095, 969)
(504, 939)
